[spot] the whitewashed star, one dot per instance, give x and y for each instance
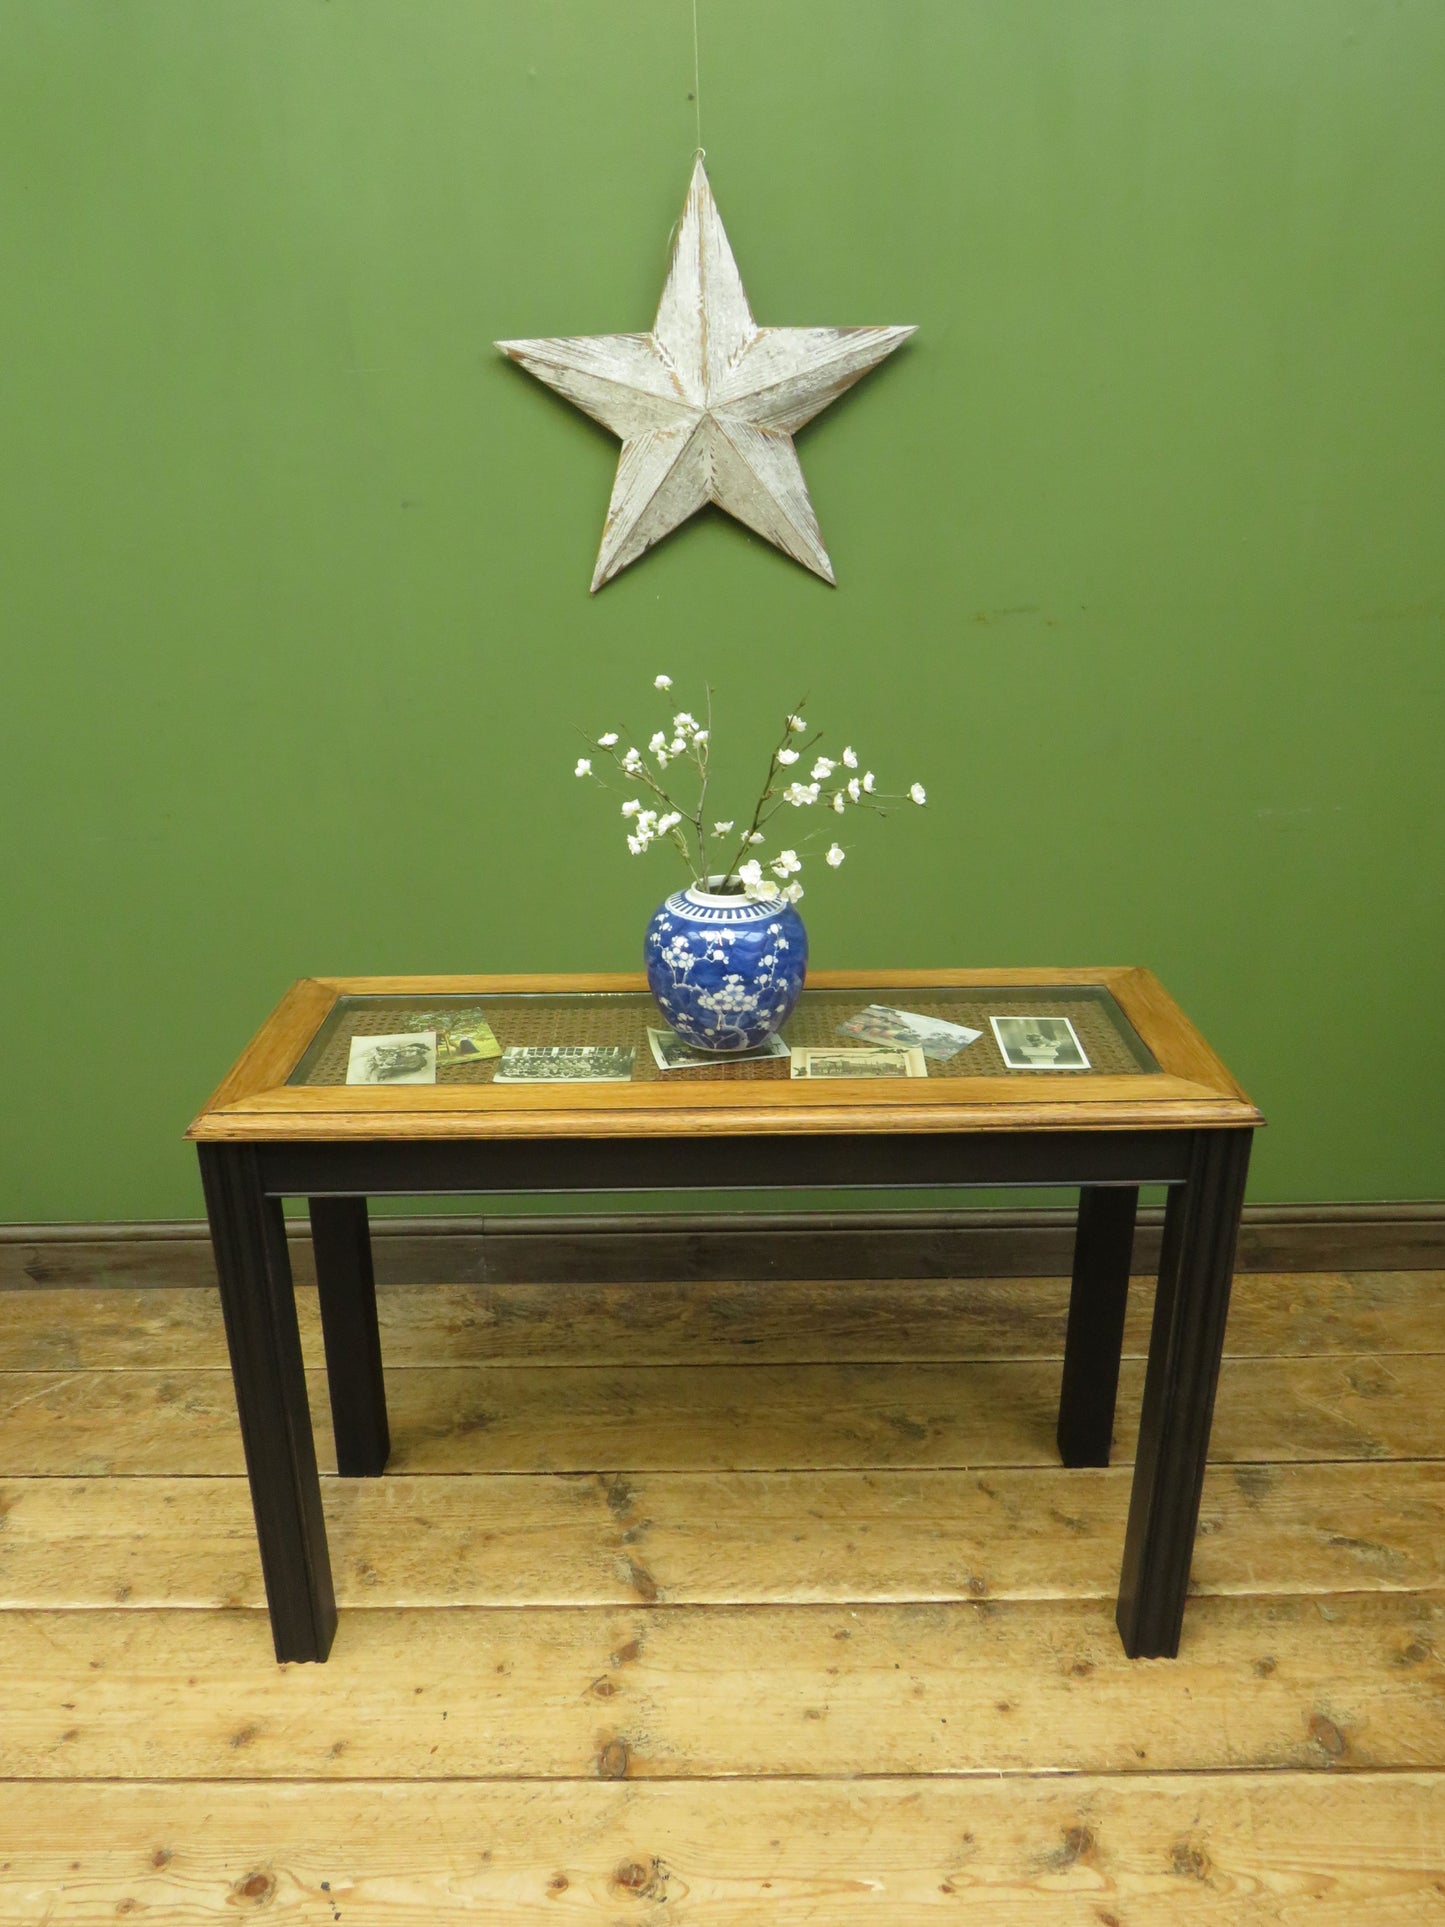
(708, 403)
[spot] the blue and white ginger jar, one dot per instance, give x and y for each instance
(725, 971)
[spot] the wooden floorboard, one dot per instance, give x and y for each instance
(1296, 1849)
(726, 1605)
(701, 1692)
(721, 1538)
(778, 1321)
(477, 1418)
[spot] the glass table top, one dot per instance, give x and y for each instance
(1109, 1041)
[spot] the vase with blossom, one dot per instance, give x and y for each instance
(727, 954)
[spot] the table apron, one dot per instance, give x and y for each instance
(416, 1168)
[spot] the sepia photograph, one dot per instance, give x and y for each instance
(858, 1063)
(1039, 1044)
(409, 1058)
(565, 1064)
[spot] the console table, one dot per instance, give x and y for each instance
(1155, 1106)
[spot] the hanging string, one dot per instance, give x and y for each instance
(699, 152)
(697, 82)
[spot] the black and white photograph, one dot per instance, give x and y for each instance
(410, 1057)
(566, 1064)
(670, 1053)
(1039, 1044)
(858, 1063)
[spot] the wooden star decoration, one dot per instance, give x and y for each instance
(707, 404)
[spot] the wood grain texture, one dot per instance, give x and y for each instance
(718, 1418)
(323, 1113)
(715, 1674)
(726, 1538)
(769, 1321)
(277, 1047)
(1236, 1850)
(1175, 1042)
(1356, 1682)
(707, 403)
(254, 1104)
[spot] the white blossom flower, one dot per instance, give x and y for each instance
(662, 682)
(763, 879)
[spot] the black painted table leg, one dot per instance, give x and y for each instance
(342, 1244)
(249, 1236)
(1201, 1229)
(1103, 1247)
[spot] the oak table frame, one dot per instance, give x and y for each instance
(1185, 1125)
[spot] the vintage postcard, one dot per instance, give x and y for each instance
(463, 1036)
(672, 1054)
(466, 1044)
(408, 1058)
(566, 1064)
(813, 1062)
(907, 1030)
(1039, 1044)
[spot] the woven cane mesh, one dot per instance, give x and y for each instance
(623, 1017)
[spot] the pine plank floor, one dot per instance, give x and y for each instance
(726, 1605)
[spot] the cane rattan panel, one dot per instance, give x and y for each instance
(1109, 1041)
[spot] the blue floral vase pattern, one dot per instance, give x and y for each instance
(725, 971)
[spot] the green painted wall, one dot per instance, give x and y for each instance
(1139, 544)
